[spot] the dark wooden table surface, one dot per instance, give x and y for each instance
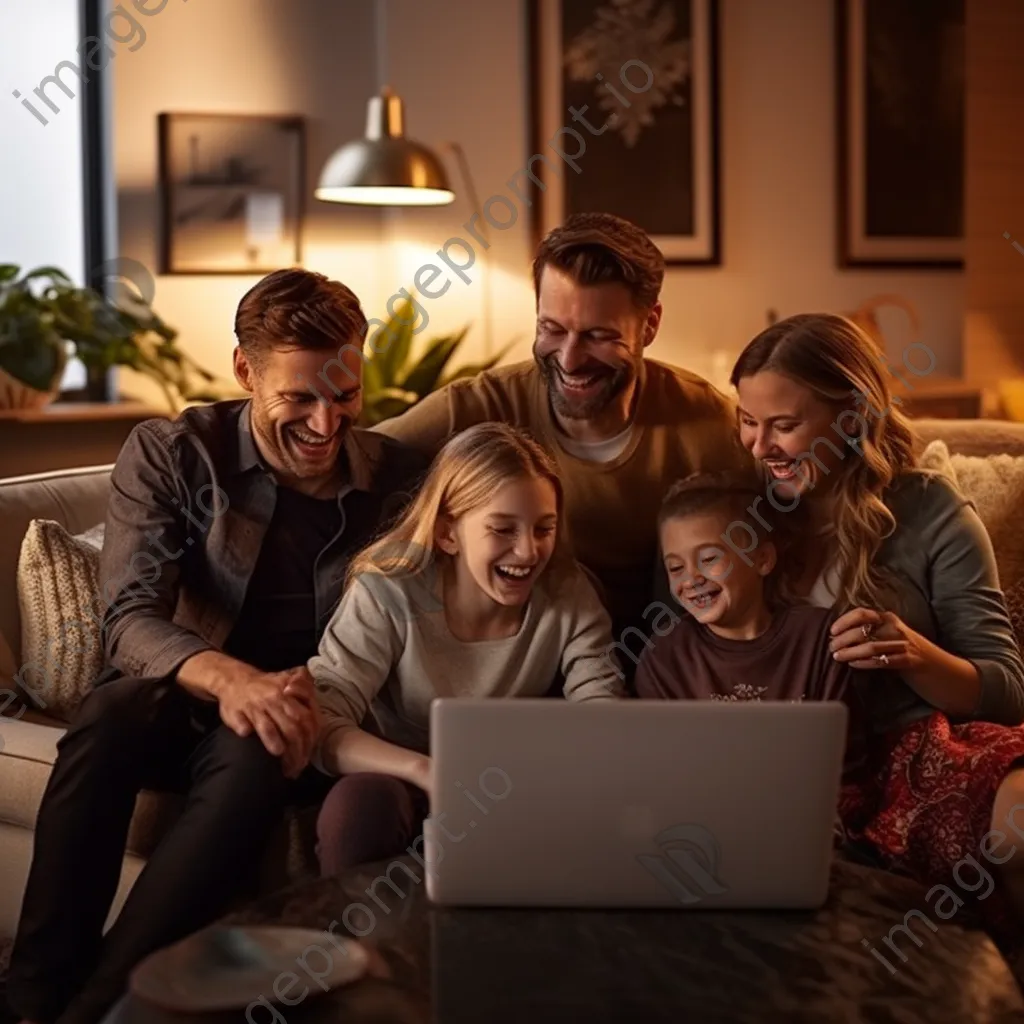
(494, 966)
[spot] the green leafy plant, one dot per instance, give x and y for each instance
(394, 379)
(42, 310)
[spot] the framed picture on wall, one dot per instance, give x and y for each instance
(624, 112)
(232, 189)
(900, 129)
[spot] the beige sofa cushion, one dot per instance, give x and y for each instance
(995, 484)
(972, 437)
(28, 750)
(59, 598)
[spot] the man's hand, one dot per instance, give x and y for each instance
(280, 707)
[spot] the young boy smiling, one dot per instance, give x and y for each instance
(743, 638)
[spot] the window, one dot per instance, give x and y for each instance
(54, 185)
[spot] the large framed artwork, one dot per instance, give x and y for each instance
(624, 111)
(232, 190)
(900, 130)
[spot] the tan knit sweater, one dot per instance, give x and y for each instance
(682, 425)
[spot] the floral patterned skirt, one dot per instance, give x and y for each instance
(925, 804)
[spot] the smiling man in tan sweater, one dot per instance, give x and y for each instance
(622, 428)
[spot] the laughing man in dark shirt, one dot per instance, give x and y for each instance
(227, 539)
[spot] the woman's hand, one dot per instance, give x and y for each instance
(868, 639)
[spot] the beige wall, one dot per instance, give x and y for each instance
(994, 329)
(309, 57)
(460, 66)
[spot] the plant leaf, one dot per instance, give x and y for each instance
(9, 271)
(372, 381)
(423, 377)
(393, 342)
(472, 369)
(386, 403)
(54, 273)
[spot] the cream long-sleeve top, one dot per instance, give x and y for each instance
(388, 652)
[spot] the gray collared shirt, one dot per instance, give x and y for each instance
(190, 503)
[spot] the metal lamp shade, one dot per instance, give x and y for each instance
(385, 168)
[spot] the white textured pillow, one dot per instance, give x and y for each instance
(59, 599)
(936, 458)
(995, 483)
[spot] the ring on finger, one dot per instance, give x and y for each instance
(882, 659)
(866, 630)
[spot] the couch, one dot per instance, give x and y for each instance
(77, 499)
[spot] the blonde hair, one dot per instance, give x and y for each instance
(837, 361)
(466, 473)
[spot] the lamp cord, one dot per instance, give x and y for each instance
(485, 263)
(381, 18)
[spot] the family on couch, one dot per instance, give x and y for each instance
(315, 585)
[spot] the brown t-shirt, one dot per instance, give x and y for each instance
(682, 425)
(790, 661)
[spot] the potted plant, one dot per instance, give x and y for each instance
(43, 312)
(395, 380)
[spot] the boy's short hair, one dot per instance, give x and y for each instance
(729, 493)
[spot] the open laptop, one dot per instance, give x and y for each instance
(689, 804)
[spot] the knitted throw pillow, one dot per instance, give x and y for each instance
(1015, 607)
(995, 485)
(59, 599)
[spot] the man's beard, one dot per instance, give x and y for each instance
(613, 383)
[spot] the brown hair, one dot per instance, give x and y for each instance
(467, 471)
(838, 362)
(730, 494)
(597, 248)
(297, 308)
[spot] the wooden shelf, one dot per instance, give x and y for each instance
(948, 398)
(83, 412)
(65, 435)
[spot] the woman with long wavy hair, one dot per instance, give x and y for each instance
(908, 566)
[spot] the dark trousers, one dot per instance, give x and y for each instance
(368, 817)
(133, 734)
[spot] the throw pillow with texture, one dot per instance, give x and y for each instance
(1015, 608)
(937, 459)
(59, 599)
(995, 485)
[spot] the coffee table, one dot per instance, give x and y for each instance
(483, 966)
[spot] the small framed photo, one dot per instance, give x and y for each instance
(232, 193)
(901, 123)
(643, 141)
